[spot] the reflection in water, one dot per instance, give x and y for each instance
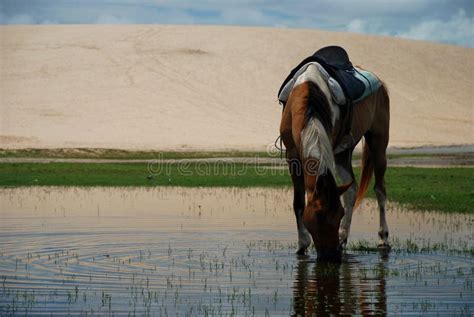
(323, 289)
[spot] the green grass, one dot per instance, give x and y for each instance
(446, 189)
(411, 246)
(138, 174)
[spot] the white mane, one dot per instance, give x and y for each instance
(314, 139)
(313, 74)
(317, 145)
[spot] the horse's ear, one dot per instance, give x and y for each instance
(343, 188)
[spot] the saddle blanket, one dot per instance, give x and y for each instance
(371, 83)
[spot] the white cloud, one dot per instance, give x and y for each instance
(367, 27)
(48, 22)
(24, 19)
(17, 19)
(246, 16)
(457, 30)
(112, 19)
(432, 20)
(357, 26)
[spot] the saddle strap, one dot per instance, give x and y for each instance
(344, 139)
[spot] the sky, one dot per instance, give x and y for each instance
(444, 21)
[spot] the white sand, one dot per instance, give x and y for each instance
(207, 87)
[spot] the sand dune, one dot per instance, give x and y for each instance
(207, 87)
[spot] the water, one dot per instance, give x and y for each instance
(218, 251)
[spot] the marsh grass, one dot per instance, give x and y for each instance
(126, 262)
(209, 289)
(410, 246)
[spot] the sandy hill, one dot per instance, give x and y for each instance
(207, 87)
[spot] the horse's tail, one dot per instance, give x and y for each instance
(366, 175)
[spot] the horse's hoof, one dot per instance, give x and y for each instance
(301, 251)
(302, 257)
(343, 236)
(384, 246)
(342, 244)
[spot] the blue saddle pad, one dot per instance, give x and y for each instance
(371, 82)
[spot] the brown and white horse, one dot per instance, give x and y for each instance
(309, 128)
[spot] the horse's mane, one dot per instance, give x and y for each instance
(318, 106)
(316, 134)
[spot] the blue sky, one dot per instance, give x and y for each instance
(445, 21)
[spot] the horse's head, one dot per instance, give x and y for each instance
(323, 214)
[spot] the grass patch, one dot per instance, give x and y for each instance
(410, 246)
(447, 189)
(444, 189)
(139, 174)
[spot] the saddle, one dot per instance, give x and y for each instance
(335, 60)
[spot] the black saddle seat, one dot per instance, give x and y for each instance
(335, 56)
(335, 61)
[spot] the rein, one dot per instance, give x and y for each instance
(279, 148)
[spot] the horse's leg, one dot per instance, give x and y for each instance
(378, 146)
(380, 165)
(297, 177)
(291, 125)
(345, 172)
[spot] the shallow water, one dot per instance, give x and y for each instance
(218, 251)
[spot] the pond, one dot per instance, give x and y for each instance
(171, 251)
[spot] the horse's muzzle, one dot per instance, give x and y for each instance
(330, 254)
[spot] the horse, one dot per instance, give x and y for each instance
(310, 125)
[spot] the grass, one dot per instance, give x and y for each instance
(138, 174)
(410, 246)
(447, 189)
(444, 189)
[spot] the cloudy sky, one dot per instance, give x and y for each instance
(446, 21)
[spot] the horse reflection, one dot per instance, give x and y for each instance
(348, 288)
